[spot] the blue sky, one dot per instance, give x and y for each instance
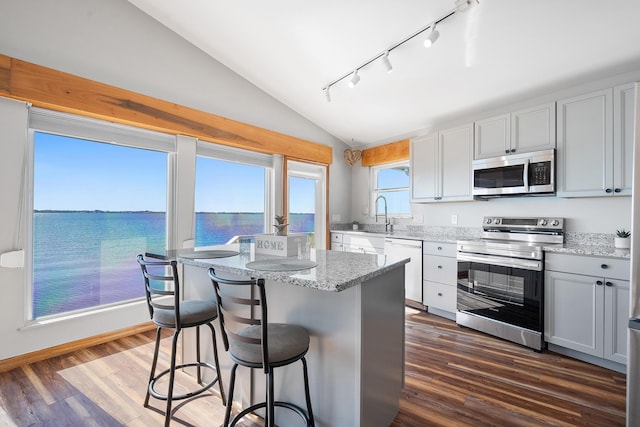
(71, 174)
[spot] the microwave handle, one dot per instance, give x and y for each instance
(526, 175)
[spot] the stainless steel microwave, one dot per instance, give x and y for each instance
(515, 175)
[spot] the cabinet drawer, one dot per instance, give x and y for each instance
(440, 269)
(369, 242)
(587, 265)
(438, 295)
(439, 248)
(336, 237)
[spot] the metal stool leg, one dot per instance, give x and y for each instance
(153, 365)
(215, 359)
(172, 376)
(232, 382)
(312, 423)
(270, 413)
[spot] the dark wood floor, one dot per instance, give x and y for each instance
(454, 377)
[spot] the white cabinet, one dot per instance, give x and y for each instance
(587, 304)
(439, 279)
(492, 137)
(441, 166)
(363, 243)
(595, 143)
(526, 130)
(336, 241)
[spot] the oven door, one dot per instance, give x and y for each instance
(509, 290)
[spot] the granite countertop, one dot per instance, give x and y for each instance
(335, 271)
(589, 250)
(576, 243)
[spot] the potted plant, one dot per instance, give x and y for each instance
(622, 239)
(355, 224)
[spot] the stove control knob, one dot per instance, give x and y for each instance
(489, 220)
(497, 221)
(543, 222)
(555, 223)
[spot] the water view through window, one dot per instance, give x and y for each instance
(98, 205)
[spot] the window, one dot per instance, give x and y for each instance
(230, 194)
(392, 182)
(95, 206)
(306, 200)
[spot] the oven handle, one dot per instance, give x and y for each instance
(525, 264)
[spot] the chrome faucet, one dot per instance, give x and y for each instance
(387, 223)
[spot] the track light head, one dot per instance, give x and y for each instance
(354, 79)
(432, 37)
(386, 62)
(462, 5)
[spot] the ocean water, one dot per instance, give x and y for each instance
(87, 259)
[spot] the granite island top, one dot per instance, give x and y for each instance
(335, 271)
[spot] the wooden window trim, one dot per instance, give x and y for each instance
(55, 90)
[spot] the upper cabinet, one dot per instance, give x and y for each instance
(522, 131)
(595, 143)
(441, 165)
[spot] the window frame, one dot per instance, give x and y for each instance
(374, 191)
(93, 130)
(245, 157)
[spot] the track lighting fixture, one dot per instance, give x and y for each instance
(460, 6)
(386, 62)
(432, 37)
(355, 79)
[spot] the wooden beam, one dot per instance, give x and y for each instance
(55, 90)
(393, 152)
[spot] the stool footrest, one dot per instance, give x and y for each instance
(204, 387)
(295, 408)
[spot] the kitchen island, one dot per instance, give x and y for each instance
(353, 307)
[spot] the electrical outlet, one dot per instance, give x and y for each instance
(454, 219)
(418, 219)
(335, 217)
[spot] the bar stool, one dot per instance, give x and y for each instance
(167, 310)
(254, 343)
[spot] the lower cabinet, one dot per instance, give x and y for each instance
(336, 242)
(364, 244)
(587, 304)
(440, 273)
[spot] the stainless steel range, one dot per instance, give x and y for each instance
(501, 278)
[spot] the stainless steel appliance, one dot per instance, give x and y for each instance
(515, 175)
(501, 278)
(398, 249)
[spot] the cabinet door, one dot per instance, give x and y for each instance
(456, 147)
(424, 168)
(574, 312)
(492, 137)
(623, 127)
(616, 310)
(585, 145)
(534, 129)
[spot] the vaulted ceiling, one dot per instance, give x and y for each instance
(494, 52)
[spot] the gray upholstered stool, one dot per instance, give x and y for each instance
(167, 310)
(254, 343)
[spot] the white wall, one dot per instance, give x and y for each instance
(114, 43)
(587, 215)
